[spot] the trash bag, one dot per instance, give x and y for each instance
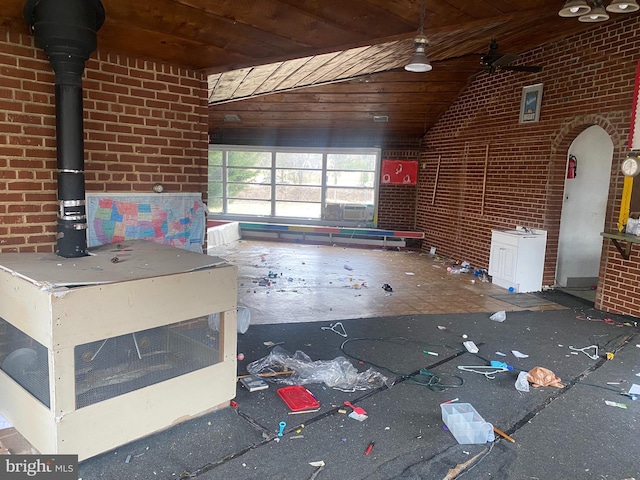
(244, 320)
(338, 373)
(543, 377)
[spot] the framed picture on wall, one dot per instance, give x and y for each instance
(530, 104)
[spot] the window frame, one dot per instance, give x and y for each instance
(324, 186)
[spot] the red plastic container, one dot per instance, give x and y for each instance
(298, 398)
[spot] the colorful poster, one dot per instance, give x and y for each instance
(171, 219)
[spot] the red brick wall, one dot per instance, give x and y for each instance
(144, 123)
(588, 80)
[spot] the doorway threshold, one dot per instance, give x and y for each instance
(586, 294)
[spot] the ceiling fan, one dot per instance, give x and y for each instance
(494, 60)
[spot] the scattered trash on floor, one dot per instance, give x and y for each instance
(584, 350)
(338, 373)
(281, 426)
(319, 465)
(409, 273)
(387, 288)
(518, 354)
(488, 371)
(348, 267)
(298, 399)
(615, 404)
(634, 392)
(466, 424)
(495, 363)
(367, 451)
(500, 354)
(500, 316)
(253, 383)
(270, 344)
(543, 377)
(337, 327)
(357, 416)
(522, 382)
(503, 435)
(470, 346)
(358, 413)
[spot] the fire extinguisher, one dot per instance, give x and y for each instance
(572, 167)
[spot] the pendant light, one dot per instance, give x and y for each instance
(597, 14)
(419, 61)
(574, 8)
(591, 11)
(623, 6)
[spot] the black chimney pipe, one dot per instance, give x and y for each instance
(66, 31)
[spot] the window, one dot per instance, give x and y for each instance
(292, 185)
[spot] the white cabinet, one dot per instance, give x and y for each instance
(517, 259)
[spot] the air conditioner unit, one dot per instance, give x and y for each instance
(356, 213)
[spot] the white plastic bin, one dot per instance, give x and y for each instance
(466, 425)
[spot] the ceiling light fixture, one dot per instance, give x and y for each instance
(597, 14)
(419, 61)
(623, 6)
(591, 11)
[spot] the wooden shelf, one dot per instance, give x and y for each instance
(622, 241)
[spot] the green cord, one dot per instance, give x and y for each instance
(423, 378)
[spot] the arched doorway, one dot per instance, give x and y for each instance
(584, 206)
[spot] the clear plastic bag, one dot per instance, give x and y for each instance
(338, 373)
(522, 383)
(500, 316)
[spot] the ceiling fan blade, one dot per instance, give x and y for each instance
(522, 68)
(506, 59)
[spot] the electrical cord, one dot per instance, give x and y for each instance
(423, 377)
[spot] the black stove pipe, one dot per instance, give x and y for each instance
(66, 31)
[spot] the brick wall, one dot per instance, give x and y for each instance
(397, 203)
(588, 80)
(144, 123)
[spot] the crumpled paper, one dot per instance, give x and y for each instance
(543, 377)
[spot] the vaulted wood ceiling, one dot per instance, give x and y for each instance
(285, 66)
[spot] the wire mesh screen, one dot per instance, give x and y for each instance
(114, 366)
(25, 360)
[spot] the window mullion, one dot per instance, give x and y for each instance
(273, 183)
(323, 194)
(225, 163)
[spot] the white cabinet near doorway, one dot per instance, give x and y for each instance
(517, 259)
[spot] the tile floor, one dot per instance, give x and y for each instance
(318, 283)
(325, 283)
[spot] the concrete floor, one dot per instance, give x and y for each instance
(324, 283)
(317, 283)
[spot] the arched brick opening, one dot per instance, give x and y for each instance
(560, 144)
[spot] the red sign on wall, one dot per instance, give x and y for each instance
(399, 172)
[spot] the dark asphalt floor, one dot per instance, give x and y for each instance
(559, 433)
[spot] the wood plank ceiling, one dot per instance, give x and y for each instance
(284, 66)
